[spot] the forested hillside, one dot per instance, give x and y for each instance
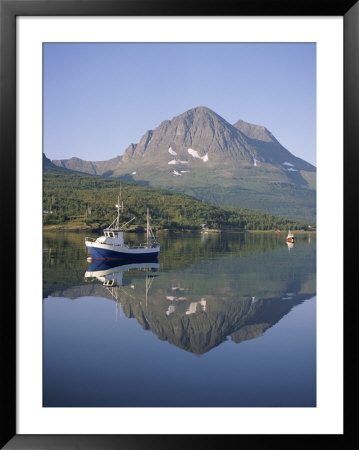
(80, 200)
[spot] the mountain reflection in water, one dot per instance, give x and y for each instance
(237, 296)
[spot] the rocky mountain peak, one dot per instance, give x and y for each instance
(199, 129)
(253, 131)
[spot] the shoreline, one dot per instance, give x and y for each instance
(231, 230)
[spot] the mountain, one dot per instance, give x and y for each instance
(49, 166)
(201, 154)
(103, 168)
(211, 137)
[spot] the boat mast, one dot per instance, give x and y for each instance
(148, 228)
(119, 206)
(117, 226)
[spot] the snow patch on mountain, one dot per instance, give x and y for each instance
(171, 298)
(287, 164)
(195, 154)
(255, 161)
(177, 161)
(170, 310)
(171, 151)
(193, 306)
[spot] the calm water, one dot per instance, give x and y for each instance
(222, 320)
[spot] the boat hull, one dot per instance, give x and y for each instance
(105, 267)
(125, 254)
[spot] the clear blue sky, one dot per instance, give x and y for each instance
(99, 98)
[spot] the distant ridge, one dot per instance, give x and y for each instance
(91, 167)
(49, 166)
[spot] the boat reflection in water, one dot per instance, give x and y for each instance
(110, 273)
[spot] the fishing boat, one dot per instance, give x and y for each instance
(111, 245)
(290, 237)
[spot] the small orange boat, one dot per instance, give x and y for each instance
(290, 237)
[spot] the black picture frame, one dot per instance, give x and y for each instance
(9, 10)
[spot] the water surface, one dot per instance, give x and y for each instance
(221, 320)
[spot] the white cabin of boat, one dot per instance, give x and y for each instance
(112, 237)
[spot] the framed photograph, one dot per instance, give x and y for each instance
(175, 179)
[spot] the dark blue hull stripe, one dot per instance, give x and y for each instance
(97, 253)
